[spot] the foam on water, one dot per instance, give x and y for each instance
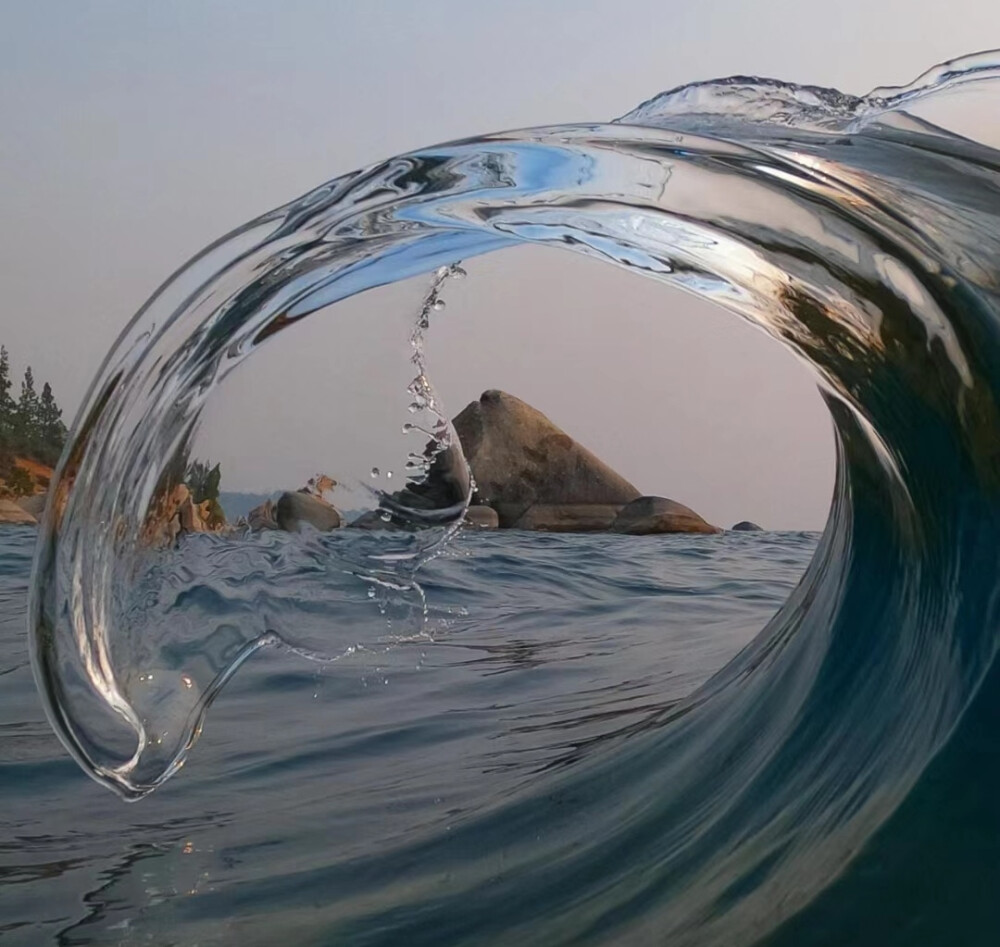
(853, 230)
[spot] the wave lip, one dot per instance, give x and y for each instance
(853, 230)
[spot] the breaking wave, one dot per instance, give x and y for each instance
(787, 797)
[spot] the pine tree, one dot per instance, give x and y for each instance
(27, 415)
(51, 430)
(203, 480)
(32, 426)
(8, 409)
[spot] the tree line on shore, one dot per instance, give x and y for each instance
(31, 426)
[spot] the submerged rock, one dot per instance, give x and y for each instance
(294, 510)
(745, 526)
(659, 515)
(10, 512)
(481, 517)
(262, 517)
(373, 519)
(522, 462)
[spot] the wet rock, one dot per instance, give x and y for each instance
(521, 460)
(745, 526)
(295, 510)
(481, 517)
(648, 515)
(262, 517)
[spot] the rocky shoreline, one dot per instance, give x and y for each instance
(528, 473)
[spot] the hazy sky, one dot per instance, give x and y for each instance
(134, 133)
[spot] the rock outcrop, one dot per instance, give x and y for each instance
(529, 474)
(648, 515)
(745, 526)
(534, 474)
(175, 513)
(295, 510)
(10, 512)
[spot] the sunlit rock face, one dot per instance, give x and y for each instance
(532, 472)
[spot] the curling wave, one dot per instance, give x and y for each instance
(784, 799)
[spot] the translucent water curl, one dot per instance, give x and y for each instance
(856, 232)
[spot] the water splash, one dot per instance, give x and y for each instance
(853, 230)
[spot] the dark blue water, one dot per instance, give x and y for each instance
(309, 784)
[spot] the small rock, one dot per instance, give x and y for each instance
(745, 526)
(659, 515)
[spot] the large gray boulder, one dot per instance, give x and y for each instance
(526, 468)
(295, 510)
(648, 515)
(745, 526)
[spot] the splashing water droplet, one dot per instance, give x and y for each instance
(438, 305)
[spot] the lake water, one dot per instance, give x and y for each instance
(314, 788)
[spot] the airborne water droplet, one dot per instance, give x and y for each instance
(375, 472)
(439, 304)
(388, 474)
